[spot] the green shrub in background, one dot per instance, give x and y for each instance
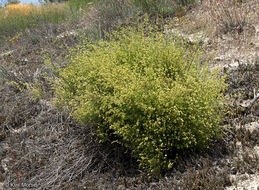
(163, 7)
(113, 13)
(76, 5)
(155, 6)
(146, 91)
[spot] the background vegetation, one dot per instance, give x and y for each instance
(17, 17)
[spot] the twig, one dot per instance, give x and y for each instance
(7, 53)
(256, 97)
(14, 168)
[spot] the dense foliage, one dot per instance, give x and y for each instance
(163, 7)
(145, 90)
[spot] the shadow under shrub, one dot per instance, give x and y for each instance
(146, 91)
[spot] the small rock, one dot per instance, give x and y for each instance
(219, 58)
(252, 126)
(256, 150)
(67, 34)
(232, 178)
(244, 177)
(234, 63)
(4, 163)
(24, 61)
(121, 187)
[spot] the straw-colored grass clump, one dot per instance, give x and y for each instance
(17, 17)
(28, 9)
(20, 9)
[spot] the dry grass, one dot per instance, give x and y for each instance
(27, 9)
(20, 9)
(232, 16)
(53, 152)
(18, 17)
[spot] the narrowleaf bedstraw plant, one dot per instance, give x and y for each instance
(146, 91)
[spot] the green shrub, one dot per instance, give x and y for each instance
(146, 91)
(162, 7)
(154, 7)
(113, 13)
(76, 5)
